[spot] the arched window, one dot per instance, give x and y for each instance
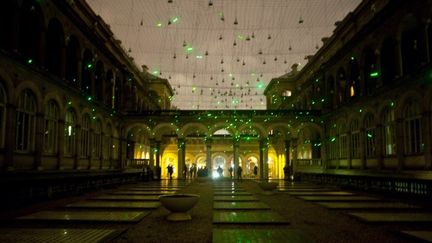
(331, 92)
(72, 60)
(369, 135)
(354, 78)
(109, 89)
(25, 122)
(389, 131)
(85, 136)
(54, 47)
(97, 139)
(99, 79)
(70, 132)
(341, 86)
(115, 145)
(117, 93)
(87, 72)
(388, 61)
(413, 49)
(3, 100)
(51, 127)
(412, 127)
(343, 141)
(355, 139)
(370, 71)
(30, 29)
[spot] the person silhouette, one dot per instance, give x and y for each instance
(239, 173)
(231, 171)
(220, 171)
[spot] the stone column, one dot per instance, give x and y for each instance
(236, 154)
(426, 131)
(379, 151)
(10, 137)
(60, 143)
(362, 148)
(152, 151)
(349, 149)
(181, 147)
(39, 140)
(209, 157)
(294, 163)
(76, 153)
(158, 152)
(263, 163)
(101, 149)
(400, 143)
(287, 152)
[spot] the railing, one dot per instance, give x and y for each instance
(136, 163)
(309, 162)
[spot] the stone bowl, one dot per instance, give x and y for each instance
(268, 187)
(178, 205)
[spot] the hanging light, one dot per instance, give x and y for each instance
(220, 37)
(290, 48)
(169, 22)
(194, 76)
(253, 35)
(275, 59)
(235, 43)
(206, 53)
(238, 59)
(210, 3)
(264, 62)
(269, 37)
(285, 61)
(235, 21)
(175, 56)
(169, 77)
(187, 56)
(222, 70)
(248, 38)
(184, 43)
(260, 52)
(211, 77)
(317, 47)
(223, 80)
(243, 63)
(222, 62)
(141, 23)
(129, 50)
(301, 20)
(170, 1)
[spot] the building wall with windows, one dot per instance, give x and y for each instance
(372, 82)
(64, 83)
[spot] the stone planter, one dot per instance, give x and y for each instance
(178, 205)
(268, 187)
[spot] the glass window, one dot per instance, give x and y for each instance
(108, 142)
(389, 131)
(70, 132)
(333, 142)
(369, 135)
(412, 128)
(25, 121)
(85, 136)
(343, 142)
(51, 127)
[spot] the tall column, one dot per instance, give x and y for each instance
(426, 130)
(39, 138)
(400, 144)
(77, 153)
(363, 148)
(10, 136)
(152, 151)
(263, 163)
(60, 143)
(379, 145)
(236, 146)
(209, 157)
(294, 159)
(102, 150)
(158, 152)
(181, 157)
(287, 153)
(349, 150)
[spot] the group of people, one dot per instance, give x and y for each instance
(231, 170)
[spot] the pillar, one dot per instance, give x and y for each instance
(379, 145)
(263, 163)
(287, 153)
(400, 143)
(181, 157)
(426, 130)
(39, 137)
(10, 136)
(158, 152)
(294, 147)
(236, 153)
(363, 148)
(60, 143)
(209, 157)
(76, 153)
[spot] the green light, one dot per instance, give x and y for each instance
(70, 103)
(159, 24)
(30, 61)
(260, 85)
(322, 100)
(89, 98)
(333, 139)
(392, 104)
(155, 72)
(374, 74)
(352, 58)
(199, 57)
(89, 66)
(241, 37)
(175, 19)
(369, 135)
(360, 110)
(189, 49)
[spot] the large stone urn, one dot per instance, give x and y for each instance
(178, 205)
(268, 187)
